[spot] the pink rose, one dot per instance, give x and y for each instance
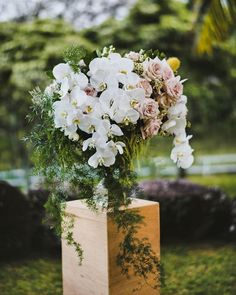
(150, 128)
(133, 55)
(152, 69)
(148, 108)
(143, 83)
(167, 72)
(174, 87)
(164, 100)
(90, 91)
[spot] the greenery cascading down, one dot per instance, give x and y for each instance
(67, 173)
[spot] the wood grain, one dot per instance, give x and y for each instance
(99, 273)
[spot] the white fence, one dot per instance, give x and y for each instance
(203, 165)
(159, 166)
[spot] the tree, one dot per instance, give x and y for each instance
(81, 13)
(214, 23)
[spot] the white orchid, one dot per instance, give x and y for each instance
(116, 147)
(61, 71)
(175, 126)
(108, 129)
(102, 74)
(111, 95)
(62, 109)
(102, 157)
(124, 67)
(136, 95)
(182, 155)
(126, 116)
(96, 141)
(68, 79)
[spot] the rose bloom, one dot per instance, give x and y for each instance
(91, 91)
(143, 83)
(133, 55)
(174, 87)
(150, 128)
(165, 100)
(167, 72)
(152, 69)
(148, 108)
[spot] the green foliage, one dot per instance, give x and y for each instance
(73, 55)
(31, 277)
(65, 168)
(194, 270)
(168, 25)
(190, 270)
(136, 255)
(227, 182)
(27, 52)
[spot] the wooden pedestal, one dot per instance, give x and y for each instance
(99, 274)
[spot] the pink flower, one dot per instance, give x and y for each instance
(133, 55)
(152, 69)
(91, 91)
(167, 72)
(143, 83)
(150, 128)
(164, 100)
(148, 108)
(174, 87)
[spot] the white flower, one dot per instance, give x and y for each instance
(116, 147)
(174, 126)
(89, 124)
(136, 95)
(97, 140)
(70, 131)
(102, 74)
(182, 152)
(52, 88)
(124, 67)
(176, 114)
(126, 116)
(61, 71)
(62, 109)
(102, 157)
(65, 75)
(78, 79)
(179, 110)
(108, 129)
(78, 97)
(110, 100)
(182, 155)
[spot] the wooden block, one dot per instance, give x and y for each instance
(99, 273)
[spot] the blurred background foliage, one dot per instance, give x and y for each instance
(202, 34)
(29, 49)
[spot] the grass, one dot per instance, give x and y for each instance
(31, 277)
(199, 270)
(190, 270)
(161, 146)
(226, 182)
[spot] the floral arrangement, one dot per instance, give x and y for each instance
(91, 122)
(96, 104)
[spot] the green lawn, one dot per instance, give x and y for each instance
(190, 270)
(227, 182)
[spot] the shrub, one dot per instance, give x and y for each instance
(190, 211)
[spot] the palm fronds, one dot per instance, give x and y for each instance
(215, 21)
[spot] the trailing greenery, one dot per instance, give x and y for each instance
(66, 170)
